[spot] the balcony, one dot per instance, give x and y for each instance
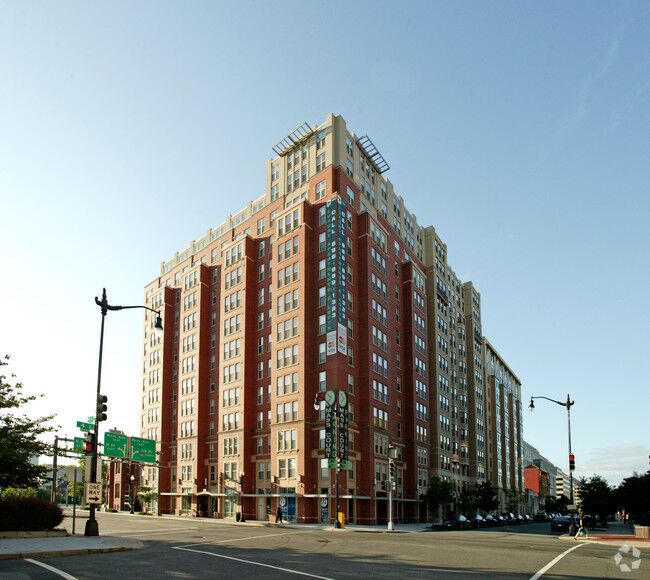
(443, 294)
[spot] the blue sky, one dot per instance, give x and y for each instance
(518, 129)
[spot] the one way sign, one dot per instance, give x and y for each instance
(93, 493)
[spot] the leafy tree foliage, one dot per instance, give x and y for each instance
(19, 436)
(467, 501)
(147, 495)
(486, 496)
(633, 495)
(557, 505)
(439, 494)
(597, 497)
(512, 500)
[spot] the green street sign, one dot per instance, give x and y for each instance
(91, 419)
(143, 450)
(85, 426)
(78, 445)
(116, 445)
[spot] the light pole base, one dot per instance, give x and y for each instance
(391, 525)
(92, 528)
(337, 524)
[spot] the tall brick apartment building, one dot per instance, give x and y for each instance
(326, 282)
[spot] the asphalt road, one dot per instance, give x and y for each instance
(205, 549)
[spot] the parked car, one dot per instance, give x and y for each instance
(541, 517)
(500, 520)
(477, 521)
(509, 519)
(490, 521)
(528, 519)
(460, 522)
(520, 519)
(560, 524)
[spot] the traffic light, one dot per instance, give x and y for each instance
(383, 485)
(572, 461)
(101, 407)
(89, 443)
(391, 467)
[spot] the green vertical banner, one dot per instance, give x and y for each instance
(341, 279)
(343, 431)
(331, 213)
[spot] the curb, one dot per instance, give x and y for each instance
(73, 552)
(26, 535)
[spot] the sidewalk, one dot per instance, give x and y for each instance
(615, 534)
(399, 528)
(12, 549)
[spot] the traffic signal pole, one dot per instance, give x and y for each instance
(572, 530)
(92, 526)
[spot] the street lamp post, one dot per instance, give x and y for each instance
(132, 494)
(568, 404)
(92, 527)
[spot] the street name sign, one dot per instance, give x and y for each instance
(115, 445)
(143, 450)
(78, 445)
(85, 426)
(93, 493)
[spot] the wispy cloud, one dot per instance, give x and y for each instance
(579, 110)
(616, 462)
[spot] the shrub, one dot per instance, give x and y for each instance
(18, 514)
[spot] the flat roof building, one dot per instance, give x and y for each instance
(325, 283)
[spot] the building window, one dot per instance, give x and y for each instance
(321, 190)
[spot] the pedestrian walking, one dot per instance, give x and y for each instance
(278, 516)
(583, 532)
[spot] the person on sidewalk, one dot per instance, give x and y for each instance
(583, 532)
(278, 516)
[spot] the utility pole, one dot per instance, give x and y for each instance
(54, 469)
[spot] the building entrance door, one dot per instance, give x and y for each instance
(230, 506)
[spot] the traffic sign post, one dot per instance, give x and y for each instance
(143, 450)
(93, 493)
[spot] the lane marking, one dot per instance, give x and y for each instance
(51, 569)
(252, 562)
(146, 533)
(239, 539)
(555, 560)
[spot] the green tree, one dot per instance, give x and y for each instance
(633, 495)
(558, 505)
(439, 494)
(597, 497)
(486, 496)
(512, 500)
(19, 436)
(147, 495)
(467, 501)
